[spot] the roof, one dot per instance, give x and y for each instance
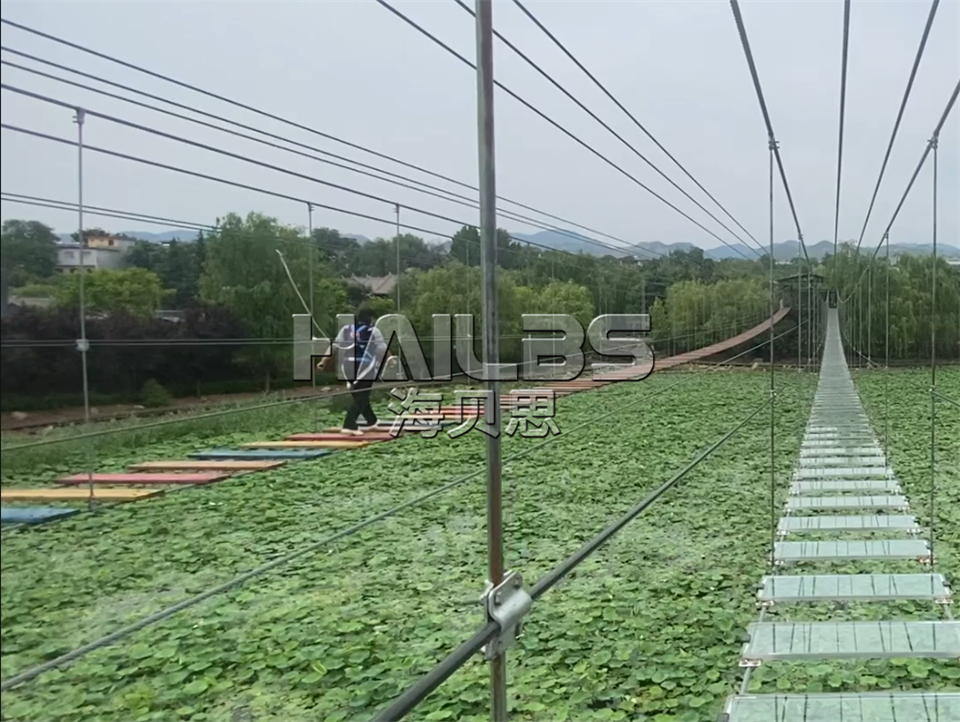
(377, 285)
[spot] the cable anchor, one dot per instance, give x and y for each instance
(83, 345)
(506, 604)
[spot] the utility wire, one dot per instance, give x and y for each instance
(593, 115)
(774, 145)
(630, 115)
(285, 559)
(896, 125)
(285, 121)
(263, 164)
(843, 105)
(557, 125)
(426, 189)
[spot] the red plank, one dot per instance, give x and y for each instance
(145, 478)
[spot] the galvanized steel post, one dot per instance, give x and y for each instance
(491, 350)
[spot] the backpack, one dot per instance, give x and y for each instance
(361, 337)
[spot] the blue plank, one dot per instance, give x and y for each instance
(33, 514)
(265, 454)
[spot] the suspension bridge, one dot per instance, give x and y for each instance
(853, 572)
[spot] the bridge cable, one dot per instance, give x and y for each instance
(593, 115)
(896, 125)
(420, 690)
(253, 161)
(630, 115)
(271, 116)
(559, 127)
(431, 190)
(843, 105)
(923, 158)
(741, 29)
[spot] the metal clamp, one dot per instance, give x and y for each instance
(506, 604)
(83, 345)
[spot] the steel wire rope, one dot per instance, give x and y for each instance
(239, 409)
(630, 115)
(923, 158)
(559, 127)
(280, 119)
(284, 559)
(237, 156)
(276, 194)
(426, 189)
(114, 213)
(200, 342)
(605, 125)
(741, 29)
(445, 669)
(934, 272)
(896, 124)
(96, 210)
(843, 107)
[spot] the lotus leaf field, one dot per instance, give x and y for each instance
(649, 628)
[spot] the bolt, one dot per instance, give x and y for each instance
(498, 598)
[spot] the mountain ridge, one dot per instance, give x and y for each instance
(575, 243)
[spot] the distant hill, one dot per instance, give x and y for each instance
(161, 237)
(600, 246)
(782, 251)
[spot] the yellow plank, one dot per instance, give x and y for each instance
(305, 444)
(75, 494)
(201, 465)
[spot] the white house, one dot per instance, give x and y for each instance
(68, 258)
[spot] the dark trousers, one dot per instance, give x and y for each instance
(360, 406)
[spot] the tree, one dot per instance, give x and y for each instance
(89, 233)
(29, 251)
(243, 272)
(135, 291)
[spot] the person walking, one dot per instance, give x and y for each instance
(362, 350)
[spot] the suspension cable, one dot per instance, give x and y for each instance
(417, 186)
(419, 691)
(630, 115)
(741, 29)
(559, 127)
(593, 115)
(923, 158)
(903, 106)
(245, 158)
(843, 105)
(575, 262)
(257, 189)
(272, 116)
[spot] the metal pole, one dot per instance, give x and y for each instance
(311, 250)
(82, 343)
(397, 210)
(800, 312)
(78, 119)
(886, 354)
(312, 246)
(934, 142)
(869, 353)
(773, 460)
(491, 350)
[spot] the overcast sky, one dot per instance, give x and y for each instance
(353, 70)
